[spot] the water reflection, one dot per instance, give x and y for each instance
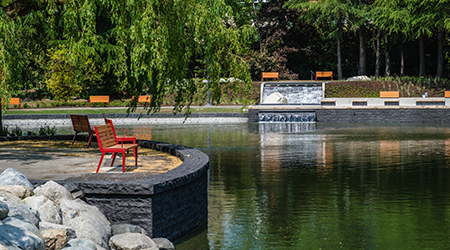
(310, 186)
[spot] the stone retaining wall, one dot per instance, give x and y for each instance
(373, 115)
(167, 205)
(61, 120)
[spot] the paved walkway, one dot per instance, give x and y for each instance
(59, 160)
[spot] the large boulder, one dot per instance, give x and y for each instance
(20, 232)
(55, 239)
(54, 192)
(4, 210)
(19, 191)
(84, 244)
(132, 241)
(164, 244)
(359, 78)
(68, 231)
(127, 228)
(47, 209)
(275, 98)
(18, 207)
(87, 221)
(13, 177)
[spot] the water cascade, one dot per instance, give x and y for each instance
(297, 93)
(287, 116)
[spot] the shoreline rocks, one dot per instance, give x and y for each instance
(49, 217)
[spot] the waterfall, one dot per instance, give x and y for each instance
(295, 94)
(287, 116)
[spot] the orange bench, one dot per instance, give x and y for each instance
(447, 94)
(15, 101)
(98, 98)
(144, 98)
(108, 144)
(270, 75)
(324, 74)
(81, 124)
(389, 94)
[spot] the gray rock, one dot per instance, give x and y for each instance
(21, 237)
(359, 78)
(21, 222)
(127, 228)
(19, 191)
(132, 241)
(13, 177)
(81, 243)
(87, 221)
(275, 98)
(4, 210)
(54, 239)
(6, 245)
(48, 211)
(50, 226)
(54, 192)
(164, 244)
(17, 207)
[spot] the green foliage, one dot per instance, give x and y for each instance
(62, 80)
(47, 130)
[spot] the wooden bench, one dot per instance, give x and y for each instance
(98, 98)
(108, 144)
(144, 98)
(270, 75)
(389, 94)
(324, 74)
(81, 124)
(14, 101)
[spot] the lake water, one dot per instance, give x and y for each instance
(321, 186)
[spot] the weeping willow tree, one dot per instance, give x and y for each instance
(145, 46)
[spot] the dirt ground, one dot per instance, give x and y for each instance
(61, 160)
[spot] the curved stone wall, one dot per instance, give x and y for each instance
(167, 205)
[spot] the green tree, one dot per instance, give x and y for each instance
(144, 46)
(62, 80)
(331, 14)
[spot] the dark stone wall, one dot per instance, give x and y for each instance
(395, 115)
(383, 115)
(167, 205)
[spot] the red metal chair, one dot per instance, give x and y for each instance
(121, 138)
(108, 144)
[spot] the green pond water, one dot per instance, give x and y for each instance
(321, 186)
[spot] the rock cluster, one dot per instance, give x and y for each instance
(49, 217)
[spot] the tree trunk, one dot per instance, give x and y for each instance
(421, 56)
(402, 57)
(362, 52)
(440, 56)
(377, 54)
(339, 58)
(386, 56)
